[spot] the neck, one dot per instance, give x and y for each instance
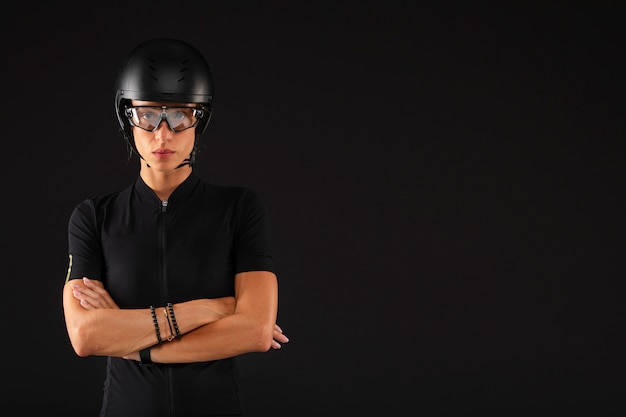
(163, 183)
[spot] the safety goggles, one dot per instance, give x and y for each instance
(178, 118)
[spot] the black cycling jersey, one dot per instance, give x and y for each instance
(151, 252)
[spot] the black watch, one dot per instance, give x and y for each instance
(144, 355)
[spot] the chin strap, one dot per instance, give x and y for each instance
(185, 162)
(189, 161)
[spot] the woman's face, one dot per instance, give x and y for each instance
(163, 149)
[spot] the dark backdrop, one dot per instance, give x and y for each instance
(445, 185)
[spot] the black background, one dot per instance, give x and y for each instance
(445, 185)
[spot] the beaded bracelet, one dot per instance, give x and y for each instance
(173, 317)
(156, 325)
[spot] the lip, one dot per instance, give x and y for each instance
(163, 153)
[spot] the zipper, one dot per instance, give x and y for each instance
(165, 296)
(162, 247)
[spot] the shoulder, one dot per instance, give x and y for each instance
(241, 201)
(233, 194)
(99, 201)
(91, 206)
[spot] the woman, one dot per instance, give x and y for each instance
(172, 277)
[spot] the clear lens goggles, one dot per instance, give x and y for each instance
(150, 117)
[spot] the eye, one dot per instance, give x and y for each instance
(148, 115)
(178, 116)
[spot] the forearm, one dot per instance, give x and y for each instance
(111, 332)
(119, 332)
(227, 337)
(249, 329)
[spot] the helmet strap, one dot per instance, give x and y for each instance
(192, 158)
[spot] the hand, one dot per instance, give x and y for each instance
(92, 295)
(279, 337)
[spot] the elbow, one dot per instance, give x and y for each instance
(81, 341)
(80, 347)
(264, 346)
(262, 338)
(80, 350)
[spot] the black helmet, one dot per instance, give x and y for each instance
(164, 70)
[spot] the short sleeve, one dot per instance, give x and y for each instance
(252, 243)
(84, 245)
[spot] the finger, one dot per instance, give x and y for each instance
(91, 282)
(91, 298)
(86, 290)
(86, 301)
(95, 286)
(280, 337)
(83, 301)
(97, 292)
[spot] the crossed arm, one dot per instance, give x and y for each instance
(211, 328)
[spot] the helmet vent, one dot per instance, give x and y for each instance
(152, 68)
(183, 69)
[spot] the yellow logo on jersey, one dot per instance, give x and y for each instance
(69, 269)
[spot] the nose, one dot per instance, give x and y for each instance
(163, 131)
